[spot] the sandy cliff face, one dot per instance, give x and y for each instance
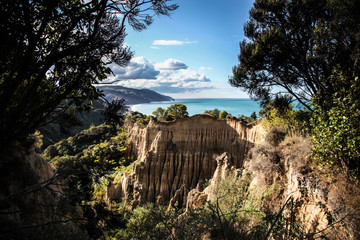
(321, 206)
(174, 157)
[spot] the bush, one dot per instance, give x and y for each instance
(140, 118)
(336, 130)
(172, 113)
(87, 173)
(148, 221)
(76, 144)
(275, 136)
(280, 113)
(215, 113)
(223, 114)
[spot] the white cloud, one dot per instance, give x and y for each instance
(172, 42)
(170, 76)
(138, 68)
(171, 64)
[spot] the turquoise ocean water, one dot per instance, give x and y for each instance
(234, 106)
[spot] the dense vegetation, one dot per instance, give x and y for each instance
(308, 51)
(86, 164)
(54, 51)
(336, 132)
(173, 112)
(293, 47)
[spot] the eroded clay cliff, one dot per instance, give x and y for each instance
(174, 157)
(322, 207)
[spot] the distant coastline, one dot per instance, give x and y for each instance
(132, 96)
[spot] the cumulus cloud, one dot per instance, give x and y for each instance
(171, 64)
(138, 68)
(172, 42)
(170, 76)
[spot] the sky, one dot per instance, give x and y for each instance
(189, 54)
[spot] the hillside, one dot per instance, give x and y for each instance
(54, 132)
(133, 96)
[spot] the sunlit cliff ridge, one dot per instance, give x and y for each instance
(174, 157)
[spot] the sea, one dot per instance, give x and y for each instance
(234, 106)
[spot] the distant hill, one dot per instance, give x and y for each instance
(54, 132)
(133, 96)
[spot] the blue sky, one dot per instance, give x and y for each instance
(192, 53)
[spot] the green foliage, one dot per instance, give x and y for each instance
(279, 113)
(148, 221)
(215, 113)
(140, 118)
(293, 47)
(275, 136)
(115, 112)
(76, 144)
(232, 214)
(253, 116)
(172, 113)
(235, 214)
(245, 118)
(176, 111)
(336, 132)
(159, 113)
(223, 114)
(55, 51)
(87, 170)
(38, 138)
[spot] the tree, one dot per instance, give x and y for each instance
(53, 52)
(293, 47)
(159, 113)
(173, 112)
(253, 116)
(223, 114)
(115, 111)
(176, 111)
(215, 113)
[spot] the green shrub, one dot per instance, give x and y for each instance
(148, 221)
(336, 130)
(223, 114)
(140, 118)
(87, 173)
(76, 144)
(215, 113)
(172, 113)
(280, 113)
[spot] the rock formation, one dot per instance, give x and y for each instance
(173, 157)
(176, 158)
(322, 209)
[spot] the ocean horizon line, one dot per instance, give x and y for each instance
(234, 106)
